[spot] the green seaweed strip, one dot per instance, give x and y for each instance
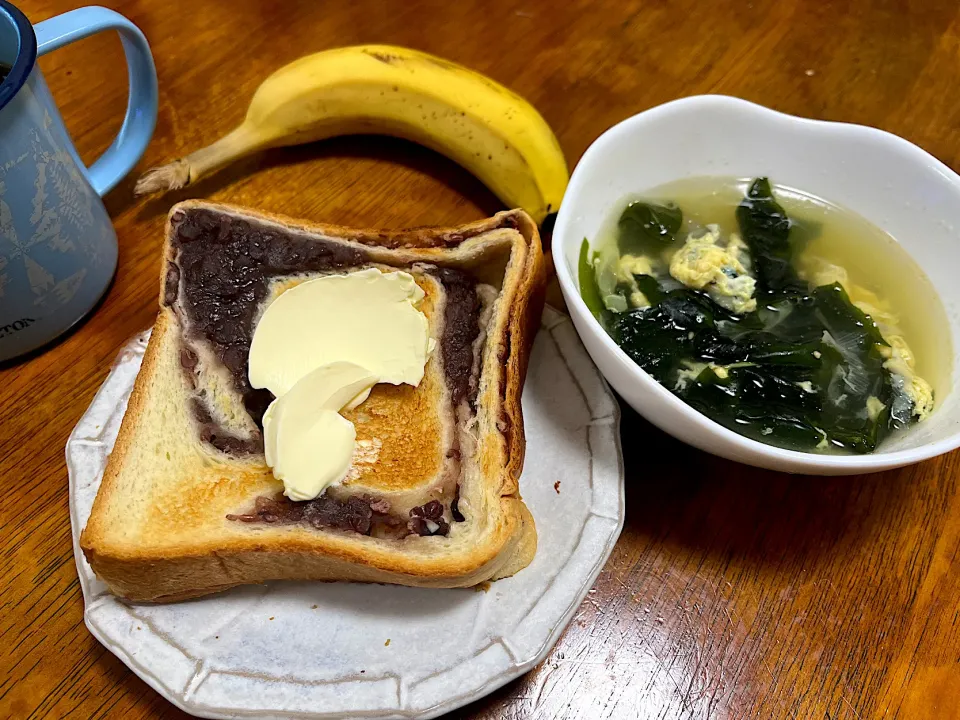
(587, 278)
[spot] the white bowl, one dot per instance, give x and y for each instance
(891, 182)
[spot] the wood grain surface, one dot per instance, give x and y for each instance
(733, 593)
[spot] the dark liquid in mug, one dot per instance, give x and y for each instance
(4, 71)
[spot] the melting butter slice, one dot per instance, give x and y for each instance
(320, 347)
(306, 442)
(367, 317)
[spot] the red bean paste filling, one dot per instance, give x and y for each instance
(461, 326)
(361, 514)
(219, 290)
(223, 266)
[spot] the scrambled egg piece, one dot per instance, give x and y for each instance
(639, 300)
(874, 407)
(737, 247)
(692, 371)
(899, 361)
(630, 265)
(818, 271)
(624, 270)
(703, 264)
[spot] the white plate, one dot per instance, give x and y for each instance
(285, 650)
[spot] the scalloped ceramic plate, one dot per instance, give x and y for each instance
(285, 650)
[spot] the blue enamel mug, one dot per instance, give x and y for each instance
(58, 248)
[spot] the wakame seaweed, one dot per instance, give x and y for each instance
(765, 229)
(588, 281)
(805, 370)
(647, 228)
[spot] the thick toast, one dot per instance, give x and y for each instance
(187, 505)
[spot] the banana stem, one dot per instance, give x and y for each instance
(189, 169)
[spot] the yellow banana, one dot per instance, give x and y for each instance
(379, 89)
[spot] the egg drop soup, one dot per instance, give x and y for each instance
(777, 314)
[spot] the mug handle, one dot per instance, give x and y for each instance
(128, 147)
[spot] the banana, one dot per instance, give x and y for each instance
(379, 89)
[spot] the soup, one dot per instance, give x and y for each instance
(775, 313)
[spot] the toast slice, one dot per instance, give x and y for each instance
(187, 505)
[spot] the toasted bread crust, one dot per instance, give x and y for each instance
(504, 539)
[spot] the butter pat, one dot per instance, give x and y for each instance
(320, 347)
(306, 442)
(368, 318)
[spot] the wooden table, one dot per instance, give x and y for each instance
(733, 593)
